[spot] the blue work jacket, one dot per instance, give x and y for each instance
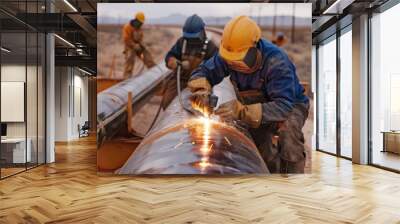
(276, 79)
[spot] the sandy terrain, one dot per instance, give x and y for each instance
(299, 51)
(158, 40)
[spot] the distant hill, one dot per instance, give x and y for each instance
(179, 19)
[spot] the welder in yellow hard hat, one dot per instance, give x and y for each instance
(270, 98)
(133, 36)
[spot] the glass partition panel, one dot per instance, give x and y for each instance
(327, 96)
(346, 94)
(385, 89)
(22, 77)
(15, 151)
(32, 98)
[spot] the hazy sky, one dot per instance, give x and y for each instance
(157, 10)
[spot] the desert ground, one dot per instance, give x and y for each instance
(157, 39)
(299, 50)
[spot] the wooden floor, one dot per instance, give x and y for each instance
(70, 191)
(387, 159)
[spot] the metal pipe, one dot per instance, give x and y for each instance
(181, 143)
(111, 103)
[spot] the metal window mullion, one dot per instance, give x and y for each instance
(45, 95)
(69, 93)
(37, 91)
(0, 93)
(73, 92)
(60, 92)
(80, 103)
(369, 96)
(338, 94)
(317, 96)
(26, 87)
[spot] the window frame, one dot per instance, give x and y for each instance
(333, 37)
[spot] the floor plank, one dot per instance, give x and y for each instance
(70, 191)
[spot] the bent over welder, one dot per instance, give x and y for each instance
(187, 54)
(271, 100)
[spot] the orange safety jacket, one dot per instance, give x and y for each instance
(130, 34)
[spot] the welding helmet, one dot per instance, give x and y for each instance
(238, 45)
(194, 28)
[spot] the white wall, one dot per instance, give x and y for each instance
(61, 103)
(71, 94)
(12, 73)
(33, 127)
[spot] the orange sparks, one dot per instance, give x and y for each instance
(201, 109)
(206, 147)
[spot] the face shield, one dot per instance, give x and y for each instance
(197, 39)
(136, 23)
(250, 63)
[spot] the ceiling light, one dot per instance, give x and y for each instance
(84, 71)
(64, 40)
(70, 5)
(5, 50)
(338, 6)
(80, 51)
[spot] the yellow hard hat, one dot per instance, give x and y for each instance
(140, 17)
(240, 34)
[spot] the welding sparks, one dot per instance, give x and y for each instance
(204, 163)
(201, 108)
(206, 147)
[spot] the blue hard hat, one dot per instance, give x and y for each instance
(194, 26)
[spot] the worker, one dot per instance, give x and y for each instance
(280, 39)
(271, 101)
(133, 36)
(197, 48)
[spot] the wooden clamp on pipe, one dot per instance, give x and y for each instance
(112, 68)
(129, 112)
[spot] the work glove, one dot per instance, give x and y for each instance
(234, 110)
(172, 63)
(199, 85)
(201, 91)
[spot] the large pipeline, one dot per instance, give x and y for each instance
(111, 103)
(181, 143)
